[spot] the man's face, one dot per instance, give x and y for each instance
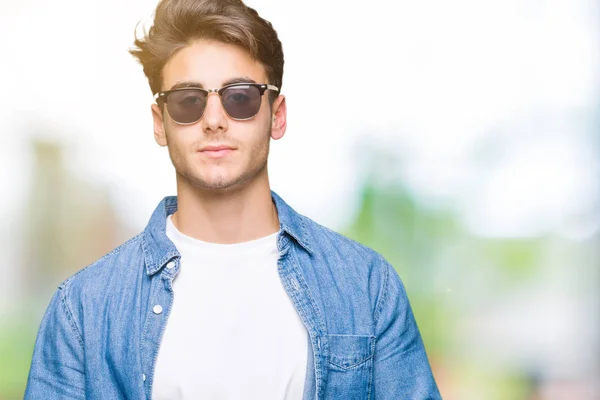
(192, 147)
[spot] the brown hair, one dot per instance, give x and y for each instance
(178, 23)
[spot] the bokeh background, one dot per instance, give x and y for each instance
(460, 139)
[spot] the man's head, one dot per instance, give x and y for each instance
(208, 44)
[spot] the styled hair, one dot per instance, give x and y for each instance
(179, 23)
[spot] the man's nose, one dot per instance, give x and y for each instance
(215, 117)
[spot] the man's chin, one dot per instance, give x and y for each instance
(220, 183)
(216, 185)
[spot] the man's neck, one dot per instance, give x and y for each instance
(232, 216)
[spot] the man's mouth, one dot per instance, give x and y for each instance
(217, 151)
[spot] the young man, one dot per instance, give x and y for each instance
(228, 293)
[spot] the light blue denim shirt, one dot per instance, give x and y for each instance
(100, 335)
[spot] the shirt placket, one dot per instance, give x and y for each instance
(160, 305)
(295, 286)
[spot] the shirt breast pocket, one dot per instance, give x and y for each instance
(350, 366)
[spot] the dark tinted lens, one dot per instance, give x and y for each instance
(186, 106)
(241, 102)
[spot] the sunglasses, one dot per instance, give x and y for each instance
(241, 101)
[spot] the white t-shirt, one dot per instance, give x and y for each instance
(233, 332)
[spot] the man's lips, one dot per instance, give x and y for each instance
(216, 151)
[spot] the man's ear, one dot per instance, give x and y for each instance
(279, 118)
(159, 126)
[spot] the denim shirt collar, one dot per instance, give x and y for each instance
(159, 250)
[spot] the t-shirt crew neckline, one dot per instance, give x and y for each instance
(182, 239)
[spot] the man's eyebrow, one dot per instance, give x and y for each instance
(242, 79)
(186, 84)
(196, 84)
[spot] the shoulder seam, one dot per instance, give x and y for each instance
(115, 251)
(69, 314)
(383, 293)
(320, 226)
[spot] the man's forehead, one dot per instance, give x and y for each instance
(211, 65)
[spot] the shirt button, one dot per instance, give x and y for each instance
(157, 309)
(171, 265)
(144, 377)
